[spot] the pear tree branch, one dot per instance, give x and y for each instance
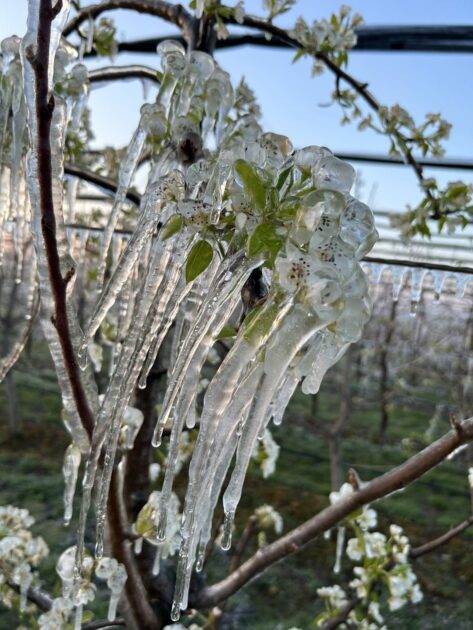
(394, 480)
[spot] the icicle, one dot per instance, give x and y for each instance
(70, 471)
(339, 551)
(144, 230)
(90, 35)
(173, 62)
(115, 582)
(78, 617)
(398, 275)
(157, 560)
(462, 280)
(284, 395)
(439, 279)
(226, 292)
(26, 579)
(152, 120)
(417, 284)
(138, 546)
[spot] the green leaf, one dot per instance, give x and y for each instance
(259, 322)
(283, 177)
(298, 55)
(198, 260)
(264, 239)
(252, 183)
(173, 225)
(227, 332)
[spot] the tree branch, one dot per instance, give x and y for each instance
(358, 86)
(119, 73)
(141, 615)
(44, 104)
(432, 545)
(173, 13)
(105, 183)
(103, 623)
(293, 541)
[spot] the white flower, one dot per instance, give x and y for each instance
(239, 12)
(395, 603)
(395, 530)
(271, 449)
(345, 490)
(360, 583)
(153, 471)
(354, 549)
(375, 544)
(221, 30)
(268, 518)
(335, 595)
(415, 594)
(373, 611)
(367, 519)
(470, 477)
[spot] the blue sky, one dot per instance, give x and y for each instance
(291, 100)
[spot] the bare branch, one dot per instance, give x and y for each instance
(44, 104)
(119, 73)
(104, 183)
(173, 13)
(434, 544)
(103, 623)
(293, 541)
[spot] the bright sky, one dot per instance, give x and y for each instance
(291, 100)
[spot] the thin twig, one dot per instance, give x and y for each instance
(44, 104)
(120, 73)
(103, 623)
(434, 544)
(173, 13)
(293, 541)
(105, 183)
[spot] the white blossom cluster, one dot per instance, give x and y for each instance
(334, 37)
(384, 577)
(20, 553)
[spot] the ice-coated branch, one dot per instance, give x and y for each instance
(293, 541)
(360, 87)
(44, 106)
(120, 73)
(36, 596)
(173, 13)
(434, 544)
(104, 183)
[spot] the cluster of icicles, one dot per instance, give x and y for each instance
(215, 181)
